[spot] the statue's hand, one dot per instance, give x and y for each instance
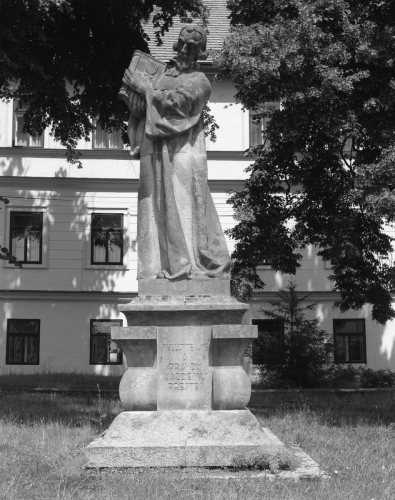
(137, 105)
(134, 83)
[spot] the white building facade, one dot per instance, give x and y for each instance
(75, 232)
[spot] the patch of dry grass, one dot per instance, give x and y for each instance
(43, 437)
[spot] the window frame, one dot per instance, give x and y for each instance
(41, 228)
(117, 322)
(349, 334)
(19, 113)
(127, 238)
(6, 218)
(9, 334)
(110, 136)
(106, 262)
(266, 106)
(261, 321)
(265, 263)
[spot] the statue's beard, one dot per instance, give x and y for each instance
(183, 62)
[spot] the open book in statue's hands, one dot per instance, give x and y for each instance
(144, 70)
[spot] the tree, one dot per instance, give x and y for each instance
(306, 347)
(326, 171)
(4, 252)
(64, 59)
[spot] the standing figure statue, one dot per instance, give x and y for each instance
(179, 234)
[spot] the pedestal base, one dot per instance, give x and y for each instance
(184, 439)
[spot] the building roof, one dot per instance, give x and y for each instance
(218, 28)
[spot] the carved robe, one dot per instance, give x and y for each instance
(178, 229)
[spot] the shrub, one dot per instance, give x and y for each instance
(305, 347)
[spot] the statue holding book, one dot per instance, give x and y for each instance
(179, 233)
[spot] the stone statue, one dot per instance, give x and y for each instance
(178, 231)
(185, 391)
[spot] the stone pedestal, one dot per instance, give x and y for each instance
(195, 438)
(185, 392)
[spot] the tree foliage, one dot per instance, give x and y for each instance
(64, 59)
(325, 174)
(306, 347)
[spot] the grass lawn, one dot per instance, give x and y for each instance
(43, 436)
(64, 380)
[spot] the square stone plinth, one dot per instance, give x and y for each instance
(182, 310)
(184, 438)
(184, 374)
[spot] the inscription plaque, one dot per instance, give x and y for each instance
(184, 371)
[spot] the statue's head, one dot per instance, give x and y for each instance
(191, 45)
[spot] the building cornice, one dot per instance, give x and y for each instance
(106, 154)
(317, 296)
(124, 185)
(17, 152)
(67, 296)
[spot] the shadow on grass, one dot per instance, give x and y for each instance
(72, 411)
(333, 415)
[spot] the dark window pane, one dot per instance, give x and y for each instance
(103, 349)
(269, 347)
(23, 341)
(33, 244)
(99, 349)
(23, 326)
(115, 247)
(101, 327)
(18, 244)
(15, 349)
(99, 247)
(29, 220)
(26, 236)
(107, 221)
(341, 348)
(31, 350)
(349, 340)
(348, 326)
(356, 348)
(107, 239)
(256, 129)
(114, 352)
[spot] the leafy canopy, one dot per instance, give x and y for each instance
(326, 171)
(69, 56)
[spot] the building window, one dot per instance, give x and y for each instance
(268, 348)
(26, 232)
(258, 127)
(349, 252)
(349, 340)
(107, 239)
(23, 341)
(103, 350)
(107, 140)
(22, 138)
(266, 261)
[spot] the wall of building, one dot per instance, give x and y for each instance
(64, 332)
(66, 291)
(380, 339)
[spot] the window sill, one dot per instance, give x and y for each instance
(25, 266)
(112, 267)
(349, 362)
